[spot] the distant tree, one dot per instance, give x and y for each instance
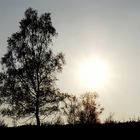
(72, 109)
(27, 82)
(90, 109)
(110, 118)
(84, 110)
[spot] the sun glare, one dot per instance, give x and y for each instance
(94, 73)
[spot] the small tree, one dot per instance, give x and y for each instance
(73, 109)
(83, 110)
(27, 82)
(90, 109)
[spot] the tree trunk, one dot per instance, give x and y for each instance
(37, 111)
(37, 120)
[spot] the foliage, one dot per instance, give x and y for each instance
(72, 109)
(90, 109)
(27, 82)
(85, 110)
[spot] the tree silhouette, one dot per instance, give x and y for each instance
(71, 109)
(90, 109)
(27, 82)
(84, 110)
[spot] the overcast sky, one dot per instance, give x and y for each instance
(109, 29)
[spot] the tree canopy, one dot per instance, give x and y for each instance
(27, 82)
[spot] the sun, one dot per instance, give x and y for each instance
(94, 73)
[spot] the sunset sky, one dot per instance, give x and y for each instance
(104, 30)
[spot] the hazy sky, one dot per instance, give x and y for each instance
(109, 29)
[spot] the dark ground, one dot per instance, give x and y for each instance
(113, 131)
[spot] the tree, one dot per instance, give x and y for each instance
(90, 109)
(27, 82)
(71, 109)
(84, 110)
